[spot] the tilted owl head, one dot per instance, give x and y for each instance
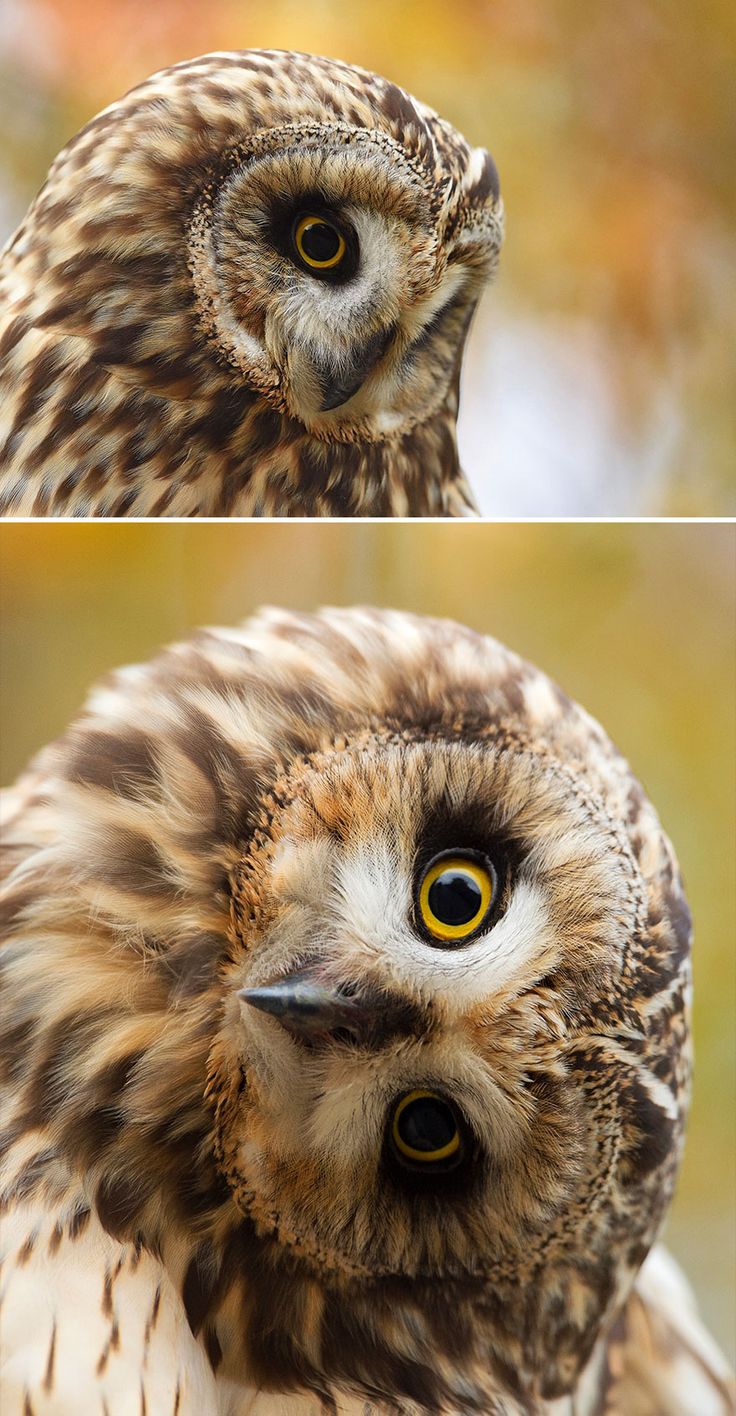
(275, 244)
(339, 251)
(367, 964)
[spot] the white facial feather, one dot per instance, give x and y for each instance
(373, 905)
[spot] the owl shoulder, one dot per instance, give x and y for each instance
(660, 1356)
(91, 1325)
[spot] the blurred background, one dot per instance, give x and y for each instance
(636, 622)
(600, 374)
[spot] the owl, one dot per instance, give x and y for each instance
(345, 1043)
(244, 290)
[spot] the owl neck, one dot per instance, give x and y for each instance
(288, 472)
(175, 450)
(443, 1346)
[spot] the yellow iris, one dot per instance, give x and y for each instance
(442, 1123)
(319, 244)
(454, 897)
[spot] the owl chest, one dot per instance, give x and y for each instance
(182, 448)
(263, 1403)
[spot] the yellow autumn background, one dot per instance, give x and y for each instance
(636, 622)
(600, 373)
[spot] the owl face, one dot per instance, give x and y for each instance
(428, 929)
(339, 280)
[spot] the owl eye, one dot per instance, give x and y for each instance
(425, 1131)
(455, 895)
(318, 243)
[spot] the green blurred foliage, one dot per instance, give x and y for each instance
(635, 621)
(614, 128)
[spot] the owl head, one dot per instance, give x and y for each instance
(367, 961)
(272, 223)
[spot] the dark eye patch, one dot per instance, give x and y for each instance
(285, 215)
(470, 832)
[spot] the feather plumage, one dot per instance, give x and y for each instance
(164, 349)
(218, 1194)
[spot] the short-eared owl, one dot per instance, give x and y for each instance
(244, 290)
(345, 1042)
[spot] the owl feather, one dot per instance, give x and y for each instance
(170, 346)
(222, 983)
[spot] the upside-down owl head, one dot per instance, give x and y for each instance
(277, 246)
(383, 1020)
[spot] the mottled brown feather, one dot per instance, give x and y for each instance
(256, 799)
(162, 355)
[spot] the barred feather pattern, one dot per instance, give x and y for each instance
(162, 355)
(203, 1204)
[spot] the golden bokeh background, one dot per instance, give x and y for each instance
(600, 377)
(636, 621)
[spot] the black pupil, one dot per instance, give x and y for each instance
(454, 897)
(320, 242)
(427, 1124)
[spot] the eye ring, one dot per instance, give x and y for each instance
(448, 1152)
(455, 896)
(309, 230)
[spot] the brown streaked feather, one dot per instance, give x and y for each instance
(659, 1357)
(158, 356)
(256, 799)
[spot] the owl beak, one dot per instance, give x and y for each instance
(339, 385)
(307, 1008)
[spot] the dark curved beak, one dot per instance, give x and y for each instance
(338, 386)
(315, 1012)
(309, 1009)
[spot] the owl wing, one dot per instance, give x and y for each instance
(660, 1359)
(459, 499)
(91, 1326)
(26, 823)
